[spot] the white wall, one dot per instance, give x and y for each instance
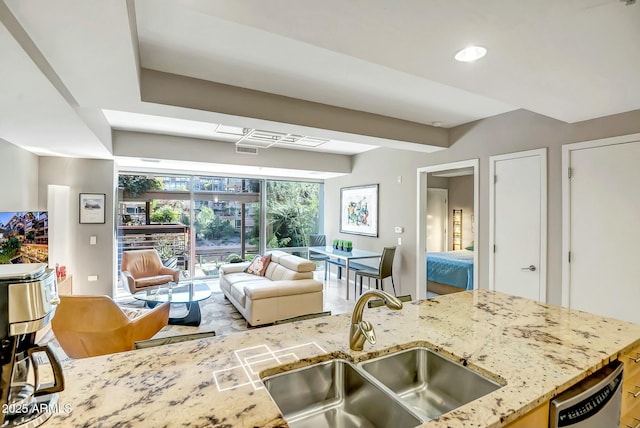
(18, 178)
(511, 132)
(85, 176)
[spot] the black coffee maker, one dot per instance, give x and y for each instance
(28, 298)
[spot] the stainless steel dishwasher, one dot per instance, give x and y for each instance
(592, 403)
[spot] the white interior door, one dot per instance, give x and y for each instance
(437, 210)
(518, 224)
(604, 231)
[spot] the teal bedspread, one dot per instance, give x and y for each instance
(452, 268)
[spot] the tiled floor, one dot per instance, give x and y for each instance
(335, 294)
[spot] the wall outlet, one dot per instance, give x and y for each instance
(398, 229)
(399, 241)
(93, 240)
(92, 278)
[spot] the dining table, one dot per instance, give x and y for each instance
(347, 256)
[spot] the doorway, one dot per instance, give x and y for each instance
(425, 177)
(518, 224)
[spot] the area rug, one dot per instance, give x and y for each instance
(218, 314)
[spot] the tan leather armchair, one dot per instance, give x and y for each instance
(143, 268)
(86, 326)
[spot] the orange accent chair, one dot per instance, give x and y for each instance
(87, 326)
(143, 268)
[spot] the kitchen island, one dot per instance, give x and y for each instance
(535, 350)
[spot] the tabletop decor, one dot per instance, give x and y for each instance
(359, 210)
(343, 245)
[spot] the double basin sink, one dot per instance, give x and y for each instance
(403, 389)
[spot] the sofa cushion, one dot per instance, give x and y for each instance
(235, 283)
(259, 265)
(277, 254)
(297, 264)
(277, 272)
(237, 292)
(265, 290)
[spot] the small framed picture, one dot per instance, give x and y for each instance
(92, 208)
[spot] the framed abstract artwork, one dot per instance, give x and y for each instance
(359, 210)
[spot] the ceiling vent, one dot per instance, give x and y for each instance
(247, 150)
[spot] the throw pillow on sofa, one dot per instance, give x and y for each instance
(259, 265)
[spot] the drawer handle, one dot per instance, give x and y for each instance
(637, 359)
(636, 394)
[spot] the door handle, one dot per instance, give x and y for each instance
(532, 268)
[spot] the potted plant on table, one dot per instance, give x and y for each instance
(336, 243)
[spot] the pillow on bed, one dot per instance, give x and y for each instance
(470, 247)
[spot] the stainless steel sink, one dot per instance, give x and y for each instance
(335, 394)
(427, 382)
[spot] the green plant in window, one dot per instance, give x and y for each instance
(164, 214)
(165, 250)
(134, 185)
(233, 258)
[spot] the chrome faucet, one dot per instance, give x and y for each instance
(363, 330)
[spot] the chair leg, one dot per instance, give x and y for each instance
(339, 272)
(394, 286)
(360, 283)
(326, 267)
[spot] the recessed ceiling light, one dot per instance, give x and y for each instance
(470, 53)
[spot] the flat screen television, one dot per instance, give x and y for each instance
(24, 237)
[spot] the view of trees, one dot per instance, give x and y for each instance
(210, 226)
(165, 214)
(292, 213)
(136, 184)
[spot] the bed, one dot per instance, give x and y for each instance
(450, 271)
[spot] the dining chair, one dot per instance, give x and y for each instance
(384, 270)
(316, 240)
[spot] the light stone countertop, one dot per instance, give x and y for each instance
(537, 350)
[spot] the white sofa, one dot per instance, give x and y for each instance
(287, 289)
